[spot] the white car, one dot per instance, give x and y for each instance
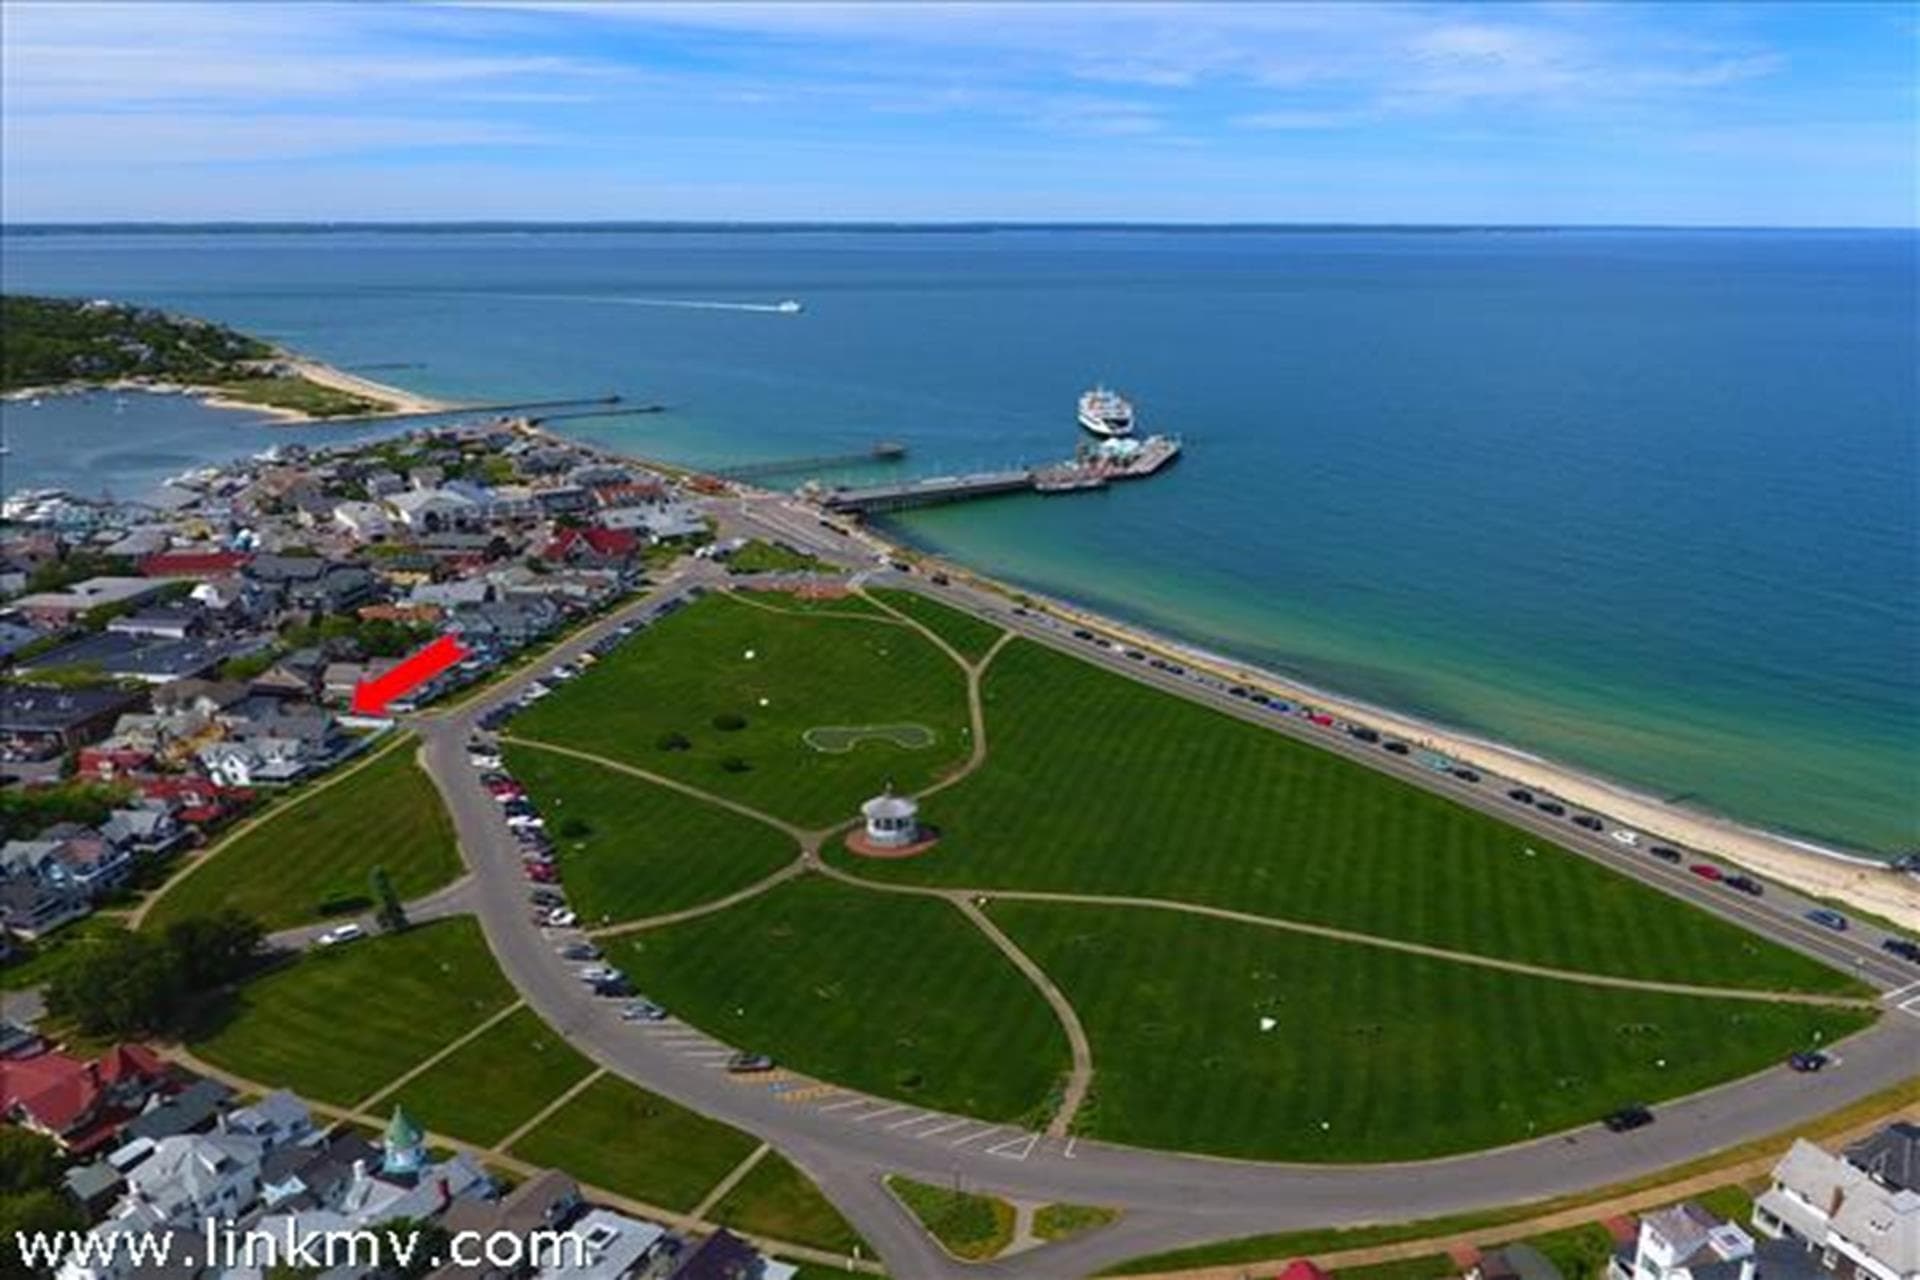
(526, 820)
(597, 973)
(341, 933)
(1626, 837)
(482, 761)
(562, 919)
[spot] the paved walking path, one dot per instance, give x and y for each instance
(458, 1043)
(732, 1180)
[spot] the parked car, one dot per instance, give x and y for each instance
(1465, 775)
(341, 933)
(1589, 822)
(578, 950)
(642, 1011)
(1665, 852)
(1626, 837)
(749, 1063)
(541, 872)
(1627, 1119)
(1398, 748)
(482, 760)
(1520, 795)
(614, 988)
(1746, 884)
(1706, 871)
(1827, 919)
(1360, 733)
(598, 973)
(562, 918)
(1553, 807)
(1808, 1061)
(549, 898)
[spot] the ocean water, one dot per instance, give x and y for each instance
(1647, 502)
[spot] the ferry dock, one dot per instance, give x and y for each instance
(1089, 469)
(881, 451)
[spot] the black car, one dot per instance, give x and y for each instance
(939, 579)
(744, 1064)
(613, 988)
(1238, 691)
(1808, 1061)
(1905, 948)
(1666, 853)
(1745, 884)
(1588, 821)
(1361, 733)
(1398, 748)
(1553, 807)
(1627, 1119)
(1465, 775)
(1081, 633)
(1520, 795)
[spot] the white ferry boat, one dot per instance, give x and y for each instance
(1106, 413)
(789, 307)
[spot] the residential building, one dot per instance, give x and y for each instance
(1857, 1214)
(725, 1256)
(80, 1105)
(83, 597)
(611, 1246)
(61, 718)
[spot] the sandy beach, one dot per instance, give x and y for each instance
(399, 401)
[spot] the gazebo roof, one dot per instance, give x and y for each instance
(889, 805)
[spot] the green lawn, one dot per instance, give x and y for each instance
(1432, 1266)
(970, 635)
(1373, 1054)
(338, 1024)
(791, 603)
(898, 996)
(1098, 784)
(761, 556)
(325, 844)
(305, 395)
(618, 1136)
(1058, 1221)
(775, 1199)
(694, 666)
(35, 963)
(497, 1081)
(967, 1225)
(630, 848)
(1580, 1253)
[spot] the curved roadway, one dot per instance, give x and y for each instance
(847, 1142)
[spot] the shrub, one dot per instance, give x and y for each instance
(575, 828)
(672, 742)
(735, 764)
(343, 903)
(729, 721)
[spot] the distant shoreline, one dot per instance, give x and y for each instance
(396, 402)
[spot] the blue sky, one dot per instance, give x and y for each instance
(1767, 113)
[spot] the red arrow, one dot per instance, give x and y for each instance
(370, 697)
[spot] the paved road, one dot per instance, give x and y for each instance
(846, 1141)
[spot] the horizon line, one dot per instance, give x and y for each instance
(891, 224)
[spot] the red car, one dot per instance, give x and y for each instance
(505, 790)
(542, 872)
(1324, 722)
(1706, 871)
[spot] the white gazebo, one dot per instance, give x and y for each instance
(892, 821)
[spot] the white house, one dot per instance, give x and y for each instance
(367, 521)
(1858, 1213)
(432, 510)
(254, 762)
(1686, 1242)
(192, 1177)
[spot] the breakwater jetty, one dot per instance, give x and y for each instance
(1088, 470)
(883, 451)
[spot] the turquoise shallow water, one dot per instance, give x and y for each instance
(1647, 502)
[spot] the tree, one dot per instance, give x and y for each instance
(124, 983)
(388, 909)
(208, 951)
(28, 1161)
(428, 1240)
(729, 722)
(35, 1212)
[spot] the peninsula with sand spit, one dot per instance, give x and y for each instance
(56, 346)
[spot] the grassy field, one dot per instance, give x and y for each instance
(629, 848)
(1058, 1221)
(1433, 1266)
(775, 1199)
(39, 961)
(761, 556)
(970, 1226)
(694, 667)
(791, 603)
(619, 1136)
(971, 636)
(305, 395)
(1580, 1253)
(325, 844)
(338, 1024)
(1215, 810)
(497, 1081)
(897, 996)
(1372, 1054)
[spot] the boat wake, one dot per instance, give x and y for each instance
(785, 307)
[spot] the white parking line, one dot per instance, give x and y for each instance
(961, 1142)
(1026, 1143)
(1899, 993)
(878, 1112)
(935, 1132)
(706, 1052)
(919, 1119)
(847, 1102)
(1068, 1154)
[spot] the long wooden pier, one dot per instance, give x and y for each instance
(1078, 475)
(884, 451)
